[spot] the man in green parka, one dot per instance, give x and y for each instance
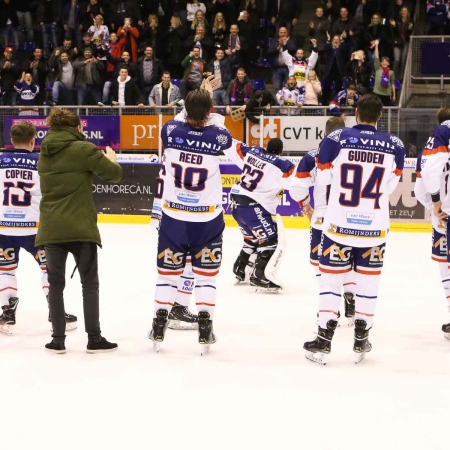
(68, 220)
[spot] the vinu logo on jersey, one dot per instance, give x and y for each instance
(208, 256)
(171, 258)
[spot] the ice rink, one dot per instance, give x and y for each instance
(255, 390)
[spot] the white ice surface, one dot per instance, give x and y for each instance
(255, 390)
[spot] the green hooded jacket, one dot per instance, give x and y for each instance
(67, 164)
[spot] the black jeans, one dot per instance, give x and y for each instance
(85, 255)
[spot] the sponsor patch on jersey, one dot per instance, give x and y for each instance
(14, 214)
(341, 231)
(359, 218)
(396, 141)
(189, 209)
(4, 223)
(335, 135)
(170, 128)
(188, 197)
(222, 139)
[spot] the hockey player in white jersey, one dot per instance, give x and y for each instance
(254, 201)
(357, 170)
(433, 171)
(304, 180)
(19, 220)
(192, 214)
(299, 66)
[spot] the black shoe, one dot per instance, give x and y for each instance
(349, 305)
(446, 330)
(56, 348)
(361, 344)
(180, 318)
(159, 326)
(8, 316)
(205, 329)
(102, 346)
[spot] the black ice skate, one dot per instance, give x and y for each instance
(239, 266)
(264, 285)
(180, 318)
(362, 344)
(446, 330)
(319, 348)
(8, 317)
(206, 335)
(159, 327)
(71, 320)
(349, 308)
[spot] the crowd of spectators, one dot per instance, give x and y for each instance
(153, 52)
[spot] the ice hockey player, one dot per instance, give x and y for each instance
(254, 200)
(299, 66)
(433, 170)
(361, 166)
(19, 220)
(192, 215)
(305, 178)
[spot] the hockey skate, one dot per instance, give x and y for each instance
(362, 344)
(318, 349)
(349, 308)
(8, 317)
(206, 335)
(446, 330)
(71, 320)
(243, 266)
(180, 318)
(159, 327)
(264, 285)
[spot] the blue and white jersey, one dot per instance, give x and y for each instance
(362, 167)
(263, 175)
(341, 100)
(21, 188)
(191, 173)
(306, 178)
(433, 162)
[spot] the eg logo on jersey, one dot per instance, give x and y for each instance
(7, 254)
(171, 258)
(337, 254)
(40, 256)
(208, 256)
(375, 255)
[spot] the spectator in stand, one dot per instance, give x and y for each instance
(9, 23)
(38, 69)
(123, 9)
(348, 98)
(358, 72)
(259, 100)
(64, 76)
(114, 54)
(395, 7)
(221, 67)
(299, 66)
(27, 92)
(203, 42)
(254, 9)
(164, 93)
(66, 47)
(384, 85)
(233, 44)
(9, 73)
(290, 95)
(89, 72)
(174, 47)
(402, 30)
(224, 7)
(319, 26)
(87, 42)
(331, 9)
(238, 92)
(219, 30)
(437, 11)
(25, 21)
(275, 51)
(248, 33)
(130, 34)
(285, 13)
(178, 8)
(365, 10)
(72, 22)
(312, 88)
(125, 91)
(150, 35)
(194, 69)
(148, 71)
(336, 62)
(192, 7)
(378, 32)
(352, 28)
(199, 21)
(89, 11)
(99, 32)
(48, 14)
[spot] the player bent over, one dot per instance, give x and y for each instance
(304, 179)
(433, 170)
(254, 200)
(19, 220)
(361, 166)
(192, 216)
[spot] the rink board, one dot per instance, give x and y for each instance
(130, 200)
